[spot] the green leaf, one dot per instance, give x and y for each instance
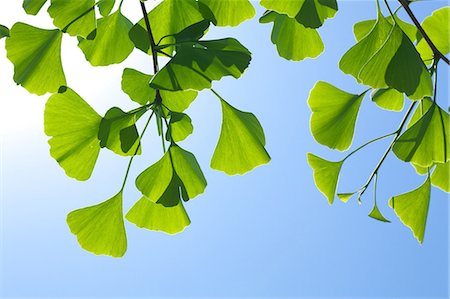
(376, 214)
(193, 32)
(136, 85)
(32, 7)
(100, 229)
(4, 31)
(73, 127)
(241, 143)
(75, 17)
(111, 43)
(334, 114)
(36, 55)
(309, 13)
(180, 126)
(197, 64)
(412, 209)
(427, 141)
(361, 29)
(171, 16)
(188, 171)
(229, 13)
(388, 98)
(326, 175)
(293, 40)
(105, 7)
(437, 28)
(344, 197)
(157, 217)
(118, 132)
(387, 58)
(441, 176)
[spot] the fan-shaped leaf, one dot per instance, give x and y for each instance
(326, 176)
(111, 43)
(309, 13)
(376, 214)
(293, 40)
(229, 13)
(197, 64)
(32, 7)
(388, 98)
(441, 176)
(241, 143)
(4, 31)
(412, 209)
(180, 126)
(100, 229)
(105, 6)
(36, 55)
(73, 17)
(361, 29)
(73, 127)
(157, 217)
(334, 114)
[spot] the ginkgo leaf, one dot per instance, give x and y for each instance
(241, 143)
(136, 85)
(344, 197)
(105, 7)
(388, 98)
(412, 209)
(111, 43)
(326, 175)
(36, 55)
(157, 217)
(376, 214)
(441, 176)
(180, 126)
(437, 28)
(229, 13)
(154, 181)
(197, 64)
(171, 16)
(361, 29)
(188, 171)
(32, 7)
(117, 126)
(293, 40)
(4, 31)
(334, 114)
(309, 13)
(193, 32)
(100, 229)
(385, 57)
(73, 127)
(427, 141)
(73, 17)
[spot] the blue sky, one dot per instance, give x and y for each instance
(267, 233)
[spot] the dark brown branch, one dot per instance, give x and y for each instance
(437, 54)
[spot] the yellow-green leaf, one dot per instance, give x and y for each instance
(75, 17)
(326, 175)
(229, 13)
(388, 98)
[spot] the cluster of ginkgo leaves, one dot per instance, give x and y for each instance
(384, 58)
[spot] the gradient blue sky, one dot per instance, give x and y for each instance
(268, 233)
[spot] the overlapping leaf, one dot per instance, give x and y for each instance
(389, 99)
(334, 114)
(36, 55)
(111, 43)
(73, 127)
(180, 126)
(241, 143)
(32, 7)
(227, 13)
(75, 17)
(386, 57)
(441, 176)
(4, 31)
(309, 13)
(100, 228)
(412, 209)
(361, 29)
(293, 40)
(326, 175)
(105, 6)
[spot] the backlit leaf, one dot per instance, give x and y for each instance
(412, 209)
(73, 127)
(111, 43)
(157, 217)
(4, 31)
(293, 40)
(229, 13)
(376, 214)
(361, 29)
(309, 13)
(105, 6)
(326, 175)
(441, 176)
(36, 55)
(344, 197)
(334, 114)
(32, 7)
(180, 126)
(388, 98)
(80, 15)
(100, 229)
